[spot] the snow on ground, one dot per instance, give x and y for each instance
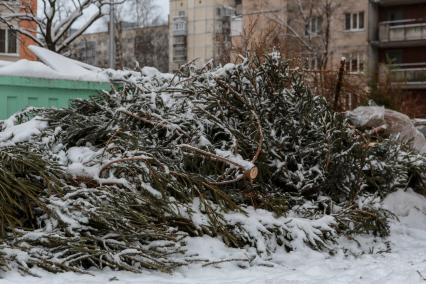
(406, 263)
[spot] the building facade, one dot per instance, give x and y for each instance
(380, 39)
(400, 49)
(12, 45)
(135, 46)
(200, 29)
(262, 27)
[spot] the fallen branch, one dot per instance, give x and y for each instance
(250, 173)
(162, 124)
(130, 159)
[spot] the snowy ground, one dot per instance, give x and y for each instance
(405, 264)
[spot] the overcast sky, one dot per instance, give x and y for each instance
(164, 5)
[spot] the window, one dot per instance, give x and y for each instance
(354, 22)
(181, 13)
(179, 26)
(354, 63)
(12, 42)
(8, 41)
(2, 41)
(313, 26)
(178, 40)
(361, 20)
(313, 62)
(179, 52)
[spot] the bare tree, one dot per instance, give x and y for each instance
(141, 13)
(297, 28)
(59, 23)
(254, 41)
(145, 12)
(151, 46)
(261, 29)
(130, 14)
(308, 27)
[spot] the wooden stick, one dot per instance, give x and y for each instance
(251, 173)
(109, 141)
(261, 138)
(339, 84)
(162, 124)
(211, 155)
(138, 117)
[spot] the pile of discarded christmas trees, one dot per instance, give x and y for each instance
(243, 153)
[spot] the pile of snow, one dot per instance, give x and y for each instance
(52, 66)
(12, 134)
(34, 69)
(403, 264)
(5, 63)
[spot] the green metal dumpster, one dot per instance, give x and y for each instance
(17, 93)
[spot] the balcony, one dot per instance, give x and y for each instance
(399, 2)
(179, 54)
(179, 26)
(412, 76)
(179, 60)
(402, 33)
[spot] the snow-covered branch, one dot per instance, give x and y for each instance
(58, 19)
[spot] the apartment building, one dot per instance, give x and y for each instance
(200, 29)
(219, 29)
(399, 43)
(13, 46)
(143, 46)
(322, 32)
(380, 39)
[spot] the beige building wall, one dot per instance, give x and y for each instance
(135, 46)
(281, 24)
(353, 42)
(203, 24)
(264, 25)
(268, 24)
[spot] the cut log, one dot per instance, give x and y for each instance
(252, 173)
